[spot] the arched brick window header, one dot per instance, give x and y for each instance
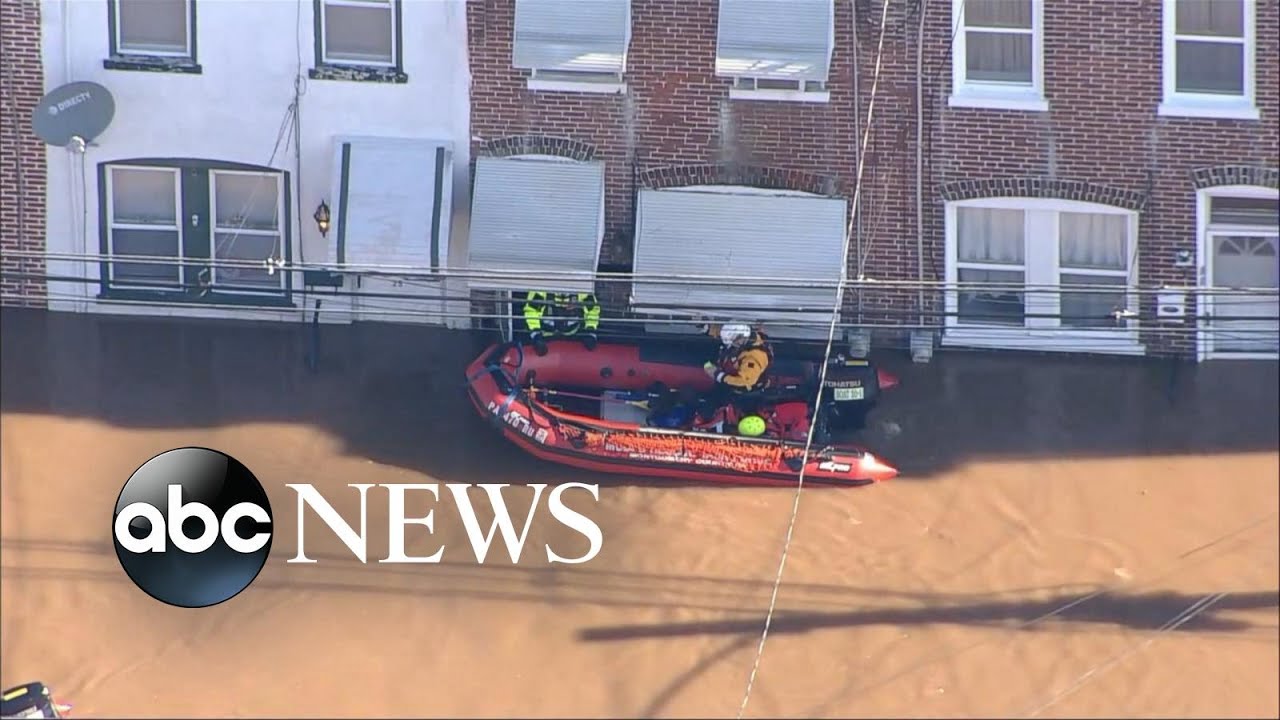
(769, 178)
(538, 145)
(1042, 187)
(1220, 175)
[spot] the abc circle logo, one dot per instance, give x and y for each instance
(192, 527)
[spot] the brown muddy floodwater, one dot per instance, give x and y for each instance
(1068, 538)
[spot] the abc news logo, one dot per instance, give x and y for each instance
(193, 526)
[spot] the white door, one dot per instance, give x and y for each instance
(1245, 322)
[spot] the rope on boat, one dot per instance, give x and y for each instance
(826, 360)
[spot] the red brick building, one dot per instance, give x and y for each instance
(22, 155)
(1106, 143)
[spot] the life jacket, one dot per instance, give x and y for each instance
(561, 313)
(729, 357)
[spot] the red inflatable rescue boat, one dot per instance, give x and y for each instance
(627, 409)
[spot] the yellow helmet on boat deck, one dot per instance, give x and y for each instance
(751, 426)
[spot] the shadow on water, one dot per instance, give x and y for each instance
(1144, 611)
(811, 606)
(393, 394)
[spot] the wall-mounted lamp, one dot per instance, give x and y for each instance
(322, 218)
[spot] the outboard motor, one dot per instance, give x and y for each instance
(32, 700)
(851, 391)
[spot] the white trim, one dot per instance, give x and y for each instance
(1040, 267)
(563, 81)
(780, 95)
(998, 96)
(1117, 342)
(1204, 263)
(580, 87)
(1030, 103)
(323, 40)
(186, 52)
(214, 230)
(1208, 105)
(179, 226)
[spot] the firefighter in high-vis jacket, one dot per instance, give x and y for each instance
(548, 315)
(740, 370)
(745, 356)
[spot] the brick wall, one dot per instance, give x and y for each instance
(22, 154)
(1101, 136)
(675, 113)
(1103, 84)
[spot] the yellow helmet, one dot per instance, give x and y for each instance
(751, 426)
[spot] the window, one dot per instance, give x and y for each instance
(1093, 250)
(152, 34)
(1209, 58)
(998, 54)
(1041, 274)
(246, 227)
(990, 246)
(142, 222)
(1240, 259)
(359, 40)
(776, 49)
(574, 46)
(199, 230)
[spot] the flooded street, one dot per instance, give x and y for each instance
(1068, 538)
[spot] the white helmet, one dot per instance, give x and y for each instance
(729, 334)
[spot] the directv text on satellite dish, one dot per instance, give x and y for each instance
(73, 114)
(70, 102)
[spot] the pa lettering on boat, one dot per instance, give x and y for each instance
(836, 467)
(522, 424)
(400, 518)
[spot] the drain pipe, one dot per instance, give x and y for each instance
(857, 133)
(82, 302)
(920, 161)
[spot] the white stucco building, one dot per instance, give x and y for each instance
(205, 157)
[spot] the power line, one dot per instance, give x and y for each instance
(799, 320)
(822, 379)
(532, 278)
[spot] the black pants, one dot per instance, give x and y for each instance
(745, 402)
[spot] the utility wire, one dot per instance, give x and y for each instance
(815, 314)
(822, 381)
(717, 281)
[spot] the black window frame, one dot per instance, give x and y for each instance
(118, 60)
(195, 178)
(354, 72)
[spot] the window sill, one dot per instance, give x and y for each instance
(176, 297)
(359, 73)
(780, 95)
(153, 63)
(1050, 339)
(1228, 355)
(538, 85)
(1190, 108)
(1026, 102)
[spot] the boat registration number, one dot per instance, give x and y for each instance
(846, 394)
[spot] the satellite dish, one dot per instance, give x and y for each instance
(78, 110)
